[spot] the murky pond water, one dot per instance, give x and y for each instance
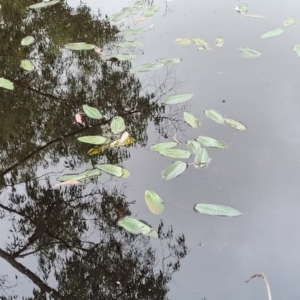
(65, 241)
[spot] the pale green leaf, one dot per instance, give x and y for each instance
(219, 42)
(206, 141)
(154, 202)
(113, 170)
(174, 170)
(27, 65)
(272, 33)
(134, 226)
(201, 159)
(7, 84)
(191, 120)
(243, 8)
(172, 60)
(200, 42)
(162, 146)
(288, 22)
(117, 125)
(217, 210)
(175, 153)
(183, 41)
(179, 98)
(193, 146)
(132, 31)
(93, 139)
(80, 176)
(151, 11)
(79, 46)
(92, 112)
(120, 15)
(296, 49)
(147, 67)
(235, 124)
(28, 40)
(128, 44)
(214, 115)
(123, 56)
(249, 53)
(43, 4)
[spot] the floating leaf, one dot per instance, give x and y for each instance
(249, 53)
(174, 170)
(120, 15)
(43, 4)
(7, 84)
(235, 124)
(79, 46)
(217, 210)
(92, 112)
(183, 41)
(191, 120)
(152, 233)
(97, 149)
(135, 226)
(201, 159)
(204, 45)
(112, 170)
(162, 146)
(28, 40)
(132, 31)
(27, 65)
(80, 176)
(78, 118)
(254, 16)
(151, 11)
(288, 22)
(214, 115)
(128, 44)
(272, 33)
(219, 42)
(193, 146)
(123, 56)
(93, 139)
(296, 49)
(117, 125)
(147, 67)
(154, 202)
(206, 141)
(179, 98)
(125, 173)
(175, 153)
(67, 182)
(123, 141)
(132, 9)
(243, 8)
(169, 60)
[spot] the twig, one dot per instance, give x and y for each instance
(265, 280)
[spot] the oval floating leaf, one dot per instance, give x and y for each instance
(117, 125)
(169, 60)
(151, 11)
(154, 202)
(272, 33)
(28, 40)
(183, 41)
(147, 67)
(193, 146)
(7, 84)
(174, 170)
(219, 42)
(93, 139)
(113, 170)
(175, 153)
(201, 159)
(79, 46)
(132, 31)
(288, 22)
(120, 15)
(206, 141)
(134, 226)
(191, 120)
(179, 98)
(27, 65)
(91, 112)
(249, 53)
(217, 210)
(123, 56)
(128, 44)
(80, 176)
(43, 4)
(296, 49)
(204, 45)
(235, 124)
(162, 146)
(214, 115)
(243, 8)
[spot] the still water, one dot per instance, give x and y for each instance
(64, 242)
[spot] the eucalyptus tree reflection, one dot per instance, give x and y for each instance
(73, 233)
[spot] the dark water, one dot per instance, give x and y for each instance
(64, 243)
